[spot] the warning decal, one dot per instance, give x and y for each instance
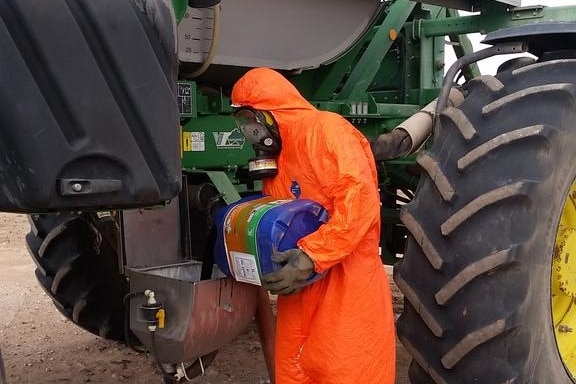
(186, 141)
(245, 268)
(193, 141)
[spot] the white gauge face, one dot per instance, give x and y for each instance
(195, 32)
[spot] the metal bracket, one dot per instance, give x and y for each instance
(226, 295)
(72, 187)
(224, 186)
(526, 13)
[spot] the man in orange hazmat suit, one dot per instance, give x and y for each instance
(339, 329)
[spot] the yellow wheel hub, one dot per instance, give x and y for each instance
(564, 284)
(566, 268)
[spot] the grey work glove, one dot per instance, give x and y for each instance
(391, 145)
(297, 267)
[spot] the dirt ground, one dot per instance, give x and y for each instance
(39, 345)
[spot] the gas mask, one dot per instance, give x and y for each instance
(260, 129)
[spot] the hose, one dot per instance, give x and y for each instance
(155, 353)
(153, 346)
(127, 332)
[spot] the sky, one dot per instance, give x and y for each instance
(489, 66)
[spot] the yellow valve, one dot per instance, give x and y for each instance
(161, 316)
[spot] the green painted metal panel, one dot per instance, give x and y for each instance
(378, 83)
(214, 142)
(495, 19)
(179, 8)
(462, 46)
(367, 67)
(223, 184)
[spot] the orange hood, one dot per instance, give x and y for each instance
(268, 90)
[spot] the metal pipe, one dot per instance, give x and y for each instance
(409, 136)
(419, 126)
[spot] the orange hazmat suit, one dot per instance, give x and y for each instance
(340, 329)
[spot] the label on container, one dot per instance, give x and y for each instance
(252, 230)
(245, 267)
(239, 251)
(241, 248)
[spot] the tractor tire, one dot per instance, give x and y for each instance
(480, 266)
(77, 265)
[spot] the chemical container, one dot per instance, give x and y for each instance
(250, 230)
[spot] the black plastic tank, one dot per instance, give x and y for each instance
(88, 107)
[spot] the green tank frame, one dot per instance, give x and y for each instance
(390, 73)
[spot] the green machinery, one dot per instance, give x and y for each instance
(130, 147)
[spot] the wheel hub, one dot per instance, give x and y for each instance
(563, 253)
(563, 287)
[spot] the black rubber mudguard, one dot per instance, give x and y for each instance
(87, 104)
